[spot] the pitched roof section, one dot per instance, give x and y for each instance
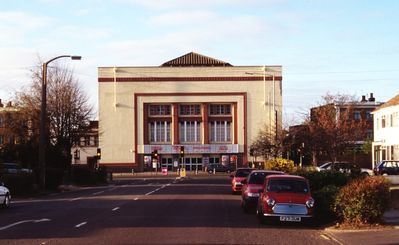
(392, 102)
(194, 59)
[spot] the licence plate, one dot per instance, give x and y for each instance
(290, 218)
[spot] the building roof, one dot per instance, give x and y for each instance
(392, 102)
(194, 59)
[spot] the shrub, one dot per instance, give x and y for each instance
(324, 200)
(324, 186)
(363, 200)
(319, 180)
(280, 164)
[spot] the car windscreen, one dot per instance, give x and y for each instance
(287, 185)
(243, 172)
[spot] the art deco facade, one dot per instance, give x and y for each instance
(211, 108)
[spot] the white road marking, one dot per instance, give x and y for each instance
(136, 199)
(75, 199)
(24, 221)
(99, 192)
(149, 193)
(114, 209)
(81, 224)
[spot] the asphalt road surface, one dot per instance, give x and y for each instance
(147, 211)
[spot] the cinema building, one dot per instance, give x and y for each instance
(212, 109)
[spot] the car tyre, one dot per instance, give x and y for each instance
(259, 214)
(7, 201)
(245, 207)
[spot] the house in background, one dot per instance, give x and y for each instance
(386, 131)
(85, 151)
(358, 110)
(8, 113)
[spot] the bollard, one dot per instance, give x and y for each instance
(214, 171)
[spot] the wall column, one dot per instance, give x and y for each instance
(175, 124)
(205, 122)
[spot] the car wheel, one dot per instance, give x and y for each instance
(259, 214)
(7, 201)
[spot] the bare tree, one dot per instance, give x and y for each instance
(266, 144)
(68, 109)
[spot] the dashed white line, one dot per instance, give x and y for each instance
(99, 192)
(149, 193)
(136, 199)
(81, 224)
(75, 199)
(114, 209)
(24, 221)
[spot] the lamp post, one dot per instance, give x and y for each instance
(43, 119)
(272, 110)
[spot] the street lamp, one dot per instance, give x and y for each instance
(272, 117)
(43, 119)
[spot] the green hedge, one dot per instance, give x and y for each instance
(363, 200)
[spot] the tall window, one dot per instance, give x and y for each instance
(383, 121)
(369, 117)
(369, 134)
(394, 119)
(190, 131)
(357, 115)
(219, 131)
(159, 131)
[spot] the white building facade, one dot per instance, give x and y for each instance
(211, 108)
(386, 131)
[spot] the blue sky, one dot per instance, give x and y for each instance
(347, 47)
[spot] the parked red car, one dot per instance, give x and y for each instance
(285, 198)
(237, 178)
(251, 186)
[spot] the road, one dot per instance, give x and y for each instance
(146, 211)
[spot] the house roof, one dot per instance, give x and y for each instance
(194, 59)
(392, 102)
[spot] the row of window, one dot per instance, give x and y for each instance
(388, 121)
(190, 110)
(190, 132)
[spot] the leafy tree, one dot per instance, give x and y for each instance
(333, 130)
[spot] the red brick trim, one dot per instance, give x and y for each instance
(204, 114)
(235, 115)
(205, 126)
(188, 79)
(175, 118)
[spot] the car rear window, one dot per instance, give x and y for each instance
(287, 185)
(243, 172)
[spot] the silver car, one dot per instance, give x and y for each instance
(5, 196)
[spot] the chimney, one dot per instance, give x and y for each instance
(9, 104)
(371, 98)
(363, 98)
(1, 105)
